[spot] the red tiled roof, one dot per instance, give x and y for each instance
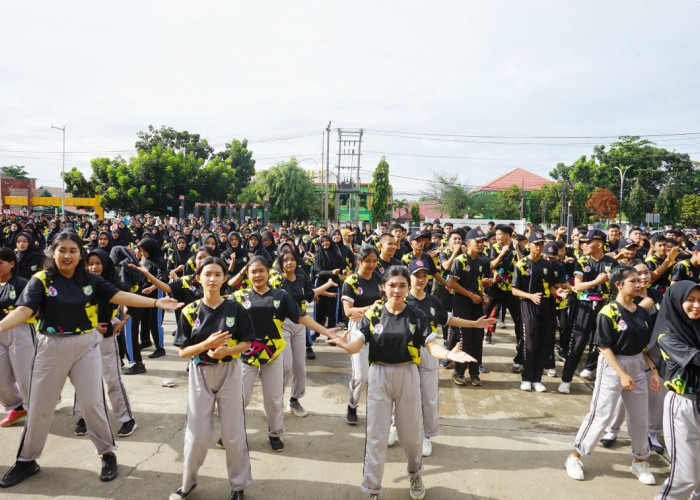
(522, 178)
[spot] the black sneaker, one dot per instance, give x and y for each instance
(109, 467)
(127, 428)
(145, 345)
(18, 473)
(236, 495)
(476, 381)
(351, 417)
(80, 428)
(158, 353)
(135, 369)
(220, 443)
(487, 338)
(310, 354)
(276, 444)
(178, 494)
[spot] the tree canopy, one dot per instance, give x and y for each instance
(168, 163)
(14, 172)
(381, 192)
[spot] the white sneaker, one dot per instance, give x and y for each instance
(552, 372)
(589, 374)
(608, 439)
(564, 387)
(539, 387)
(417, 490)
(574, 467)
(393, 436)
(641, 470)
(525, 386)
(427, 447)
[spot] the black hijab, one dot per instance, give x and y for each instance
(180, 257)
(330, 259)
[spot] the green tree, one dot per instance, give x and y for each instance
(77, 185)
(288, 187)
(381, 192)
(14, 172)
(636, 204)
(689, 210)
(667, 206)
(450, 195)
(415, 213)
(237, 157)
(178, 141)
(400, 206)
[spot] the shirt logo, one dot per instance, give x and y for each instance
(193, 288)
(87, 290)
(607, 269)
(622, 325)
(587, 268)
(230, 321)
(432, 311)
(381, 270)
(13, 293)
(360, 291)
(412, 327)
(468, 268)
(545, 270)
(197, 323)
(528, 272)
(276, 303)
(52, 291)
(378, 328)
(246, 304)
(34, 268)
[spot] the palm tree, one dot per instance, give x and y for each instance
(400, 205)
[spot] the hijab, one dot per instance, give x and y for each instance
(110, 242)
(329, 259)
(180, 257)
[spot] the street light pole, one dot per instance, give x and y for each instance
(63, 170)
(623, 172)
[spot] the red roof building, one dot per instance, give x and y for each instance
(428, 209)
(524, 179)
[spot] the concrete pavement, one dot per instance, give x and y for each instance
(496, 442)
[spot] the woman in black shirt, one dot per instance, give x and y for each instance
(360, 291)
(16, 346)
(30, 258)
(622, 335)
(65, 297)
(395, 333)
(152, 320)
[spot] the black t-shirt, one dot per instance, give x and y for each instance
(198, 321)
(503, 273)
(590, 268)
(395, 338)
(469, 273)
(268, 311)
(664, 281)
(361, 292)
(65, 307)
(626, 333)
(684, 270)
(10, 292)
(383, 265)
(431, 306)
(533, 277)
(656, 297)
(402, 249)
(300, 289)
(186, 289)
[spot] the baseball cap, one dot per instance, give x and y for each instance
(415, 235)
(476, 234)
(627, 242)
(536, 237)
(696, 248)
(551, 249)
(594, 234)
(417, 265)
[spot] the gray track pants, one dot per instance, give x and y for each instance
(272, 377)
(220, 385)
(111, 373)
(392, 386)
(429, 377)
(16, 353)
(607, 392)
(360, 368)
(682, 434)
(294, 357)
(56, 359)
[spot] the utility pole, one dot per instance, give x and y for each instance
(326, 208)
(63, 170)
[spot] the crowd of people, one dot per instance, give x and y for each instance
(82, 297)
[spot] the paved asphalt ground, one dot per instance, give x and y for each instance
(496, 442)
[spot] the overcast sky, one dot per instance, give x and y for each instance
(399, 70)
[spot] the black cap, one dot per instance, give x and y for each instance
(476, 234)
(417, 265)
(415, 235)
(696, 248)
(551, 249)
(627, 242)
(536, 237)
(594, 234)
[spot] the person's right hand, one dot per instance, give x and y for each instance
(602, 278)
(217, 339)
(673, 254)
(536, 297)
(476, 298)
(627, 382)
